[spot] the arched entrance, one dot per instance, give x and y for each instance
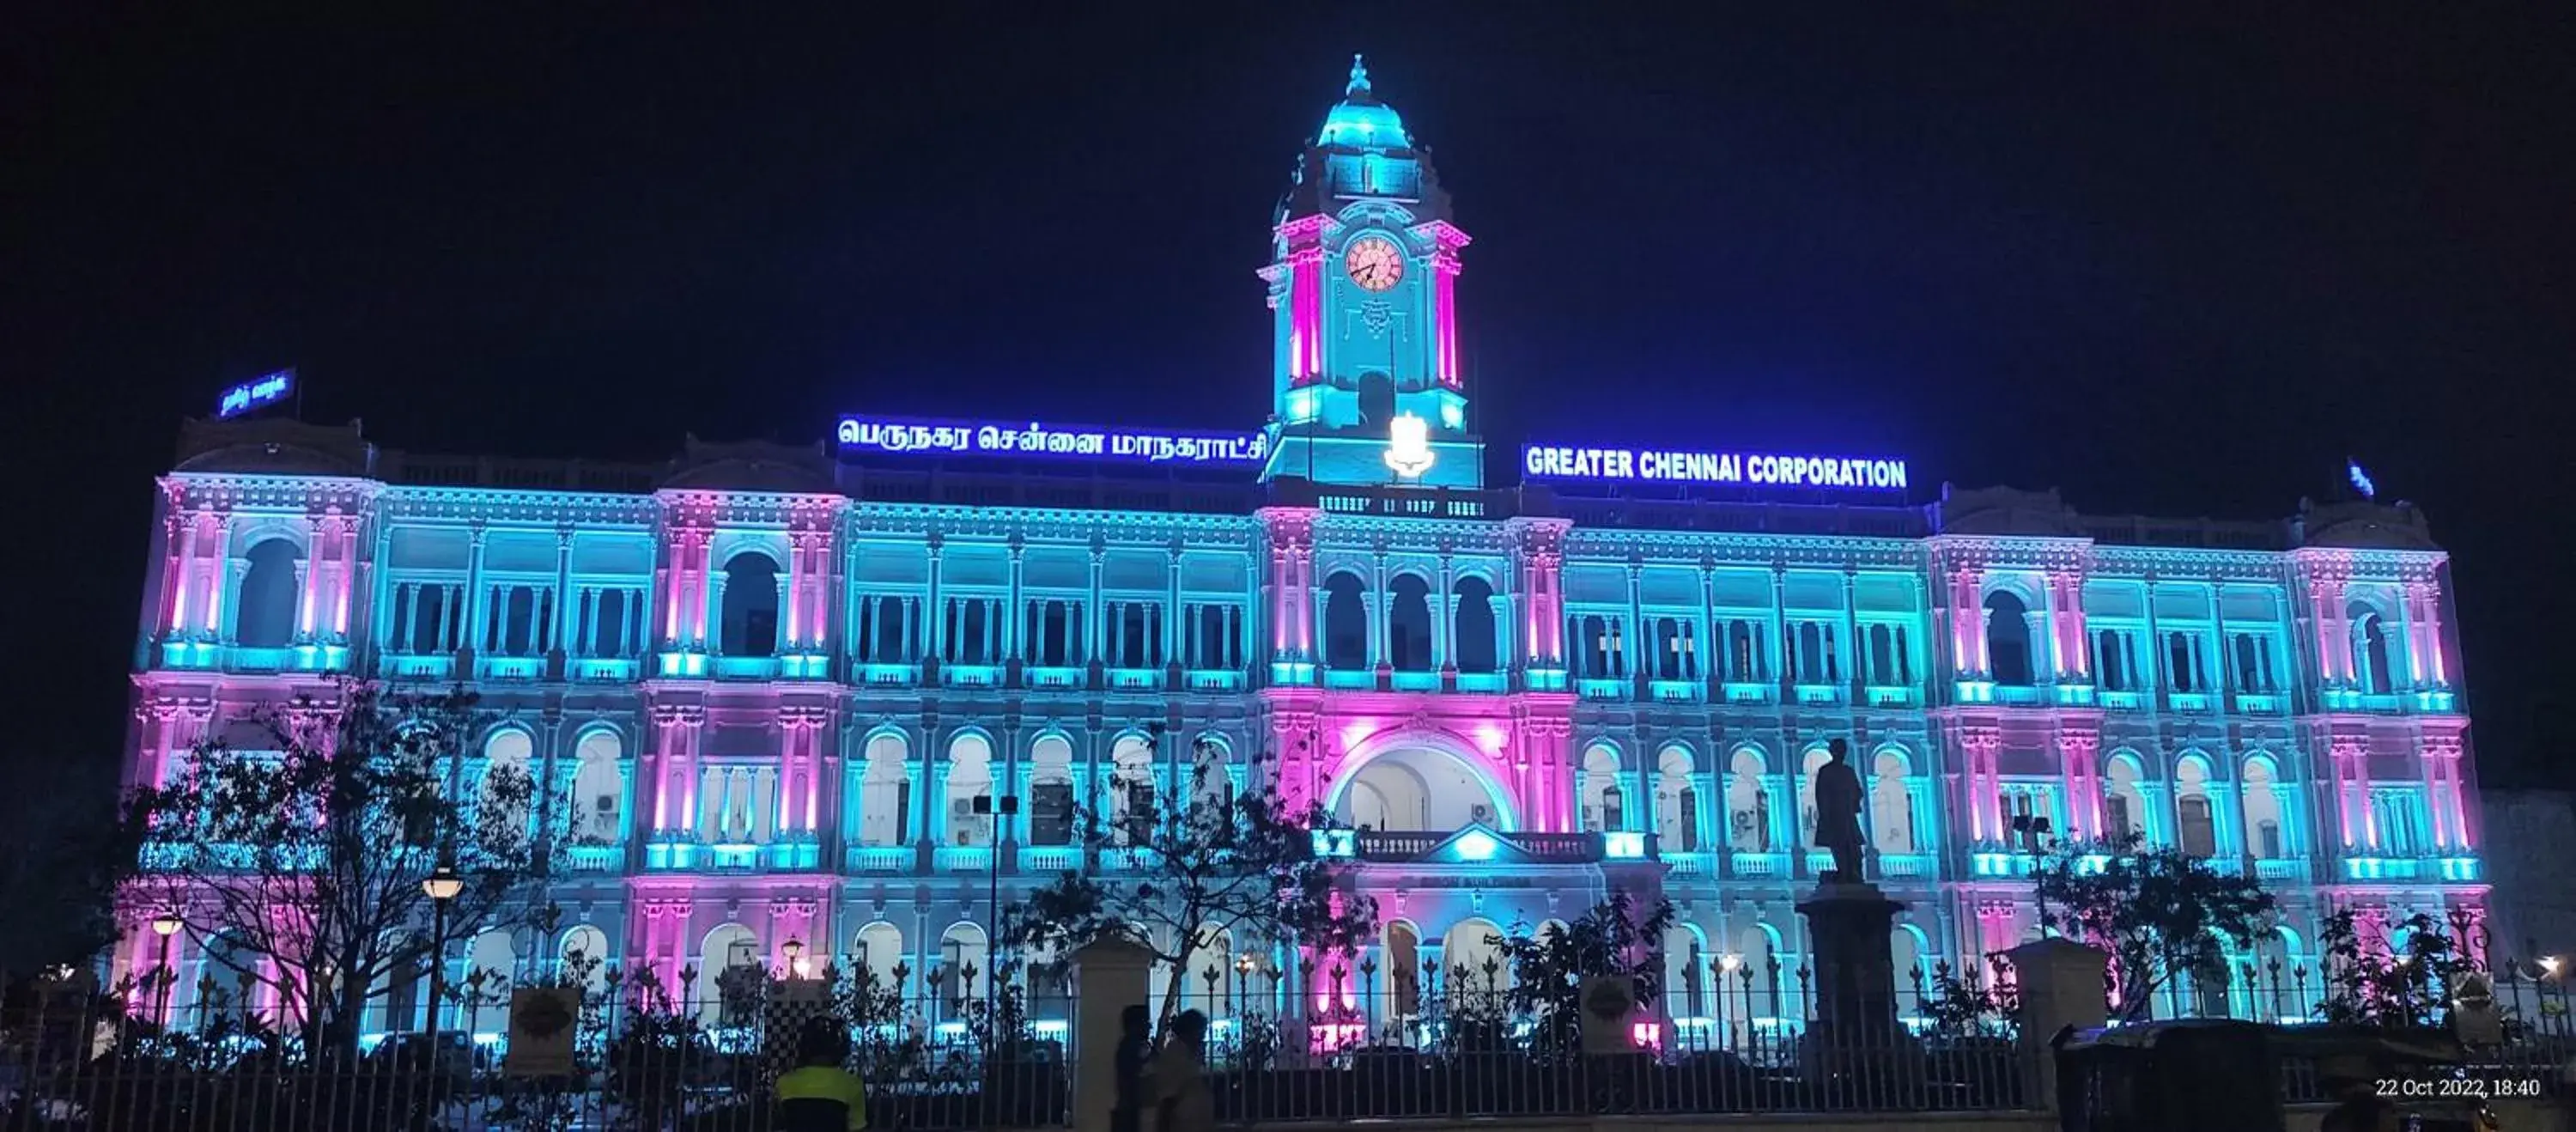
(1419, 782)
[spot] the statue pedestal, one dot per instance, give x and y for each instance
(1854, 977)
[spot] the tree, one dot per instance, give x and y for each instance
(1548, 969)
(2403, 982)
(2160, 912)
(1238, 863)
(298, 868)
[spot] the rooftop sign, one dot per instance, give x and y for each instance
(910, 437)
(258, 392)
(1756, 469)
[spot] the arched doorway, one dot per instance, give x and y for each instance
(1415, 785)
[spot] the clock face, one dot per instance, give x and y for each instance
(1375, 263)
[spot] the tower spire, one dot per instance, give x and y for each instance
(1359, 77)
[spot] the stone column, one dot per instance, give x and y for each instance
(1108, 976)
(2060, 985)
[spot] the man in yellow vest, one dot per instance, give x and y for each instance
(818, 1095)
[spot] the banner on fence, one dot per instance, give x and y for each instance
(1609, 1005)
(542, 1023)
(2474, 1018)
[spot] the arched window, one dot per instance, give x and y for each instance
(2123, 806)
(598, 788)
(506, 780)
(970, 777)
(584, 955)
(1816, 758)
(750, 621)
(1404, 967)
(1132, 790)
(1408, 624)
(1891, 808)
(963, 963)
(1051, 791)
(265, 616)
(1748, 804)
(2194, 824)
(885, 792)
(2370, 651)
(1345, 623)
(1474, 646)
(1605, 807)
(877, 955)
(2008, 639)
(1676, 802)
(2262, 810)
(728, 966)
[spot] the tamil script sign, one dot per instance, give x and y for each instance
(1055, 442)
(1756, 469)
(266, 389)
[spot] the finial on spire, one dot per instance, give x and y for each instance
(1359, 77)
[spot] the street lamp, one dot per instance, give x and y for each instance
(440, 886)
(165, 925)
(794, 949)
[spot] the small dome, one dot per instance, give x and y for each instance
(1360, 121)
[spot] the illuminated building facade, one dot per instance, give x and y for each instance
(770, 683)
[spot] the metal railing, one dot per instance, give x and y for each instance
(639, 1058)
(1384, 1045)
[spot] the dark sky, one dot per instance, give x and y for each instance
(2173, 263)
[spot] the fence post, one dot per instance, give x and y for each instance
(1109, 975)
(2059, 984)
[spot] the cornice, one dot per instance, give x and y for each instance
(483, 504)
(233, 489)
(1725, 548)
(1047, 523)
(726, 508)
(1340, 532)
(2241, 565)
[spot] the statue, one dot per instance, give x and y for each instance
(1838, 802)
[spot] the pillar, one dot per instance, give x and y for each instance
(1109, 976)
(2060, 985)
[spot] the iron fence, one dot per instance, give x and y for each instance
(961, 1056)
(1463, 1044)
(2534, 1035)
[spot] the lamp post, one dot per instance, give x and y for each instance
(794, 950)
(440, 886)
(165, 925)
(1242, 982)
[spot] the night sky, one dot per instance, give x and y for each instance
(2180, 265)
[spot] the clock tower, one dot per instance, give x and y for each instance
(1366, 387)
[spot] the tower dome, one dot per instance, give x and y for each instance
(1360, 121)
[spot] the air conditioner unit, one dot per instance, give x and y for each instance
(1481, 812)
(961, 807)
